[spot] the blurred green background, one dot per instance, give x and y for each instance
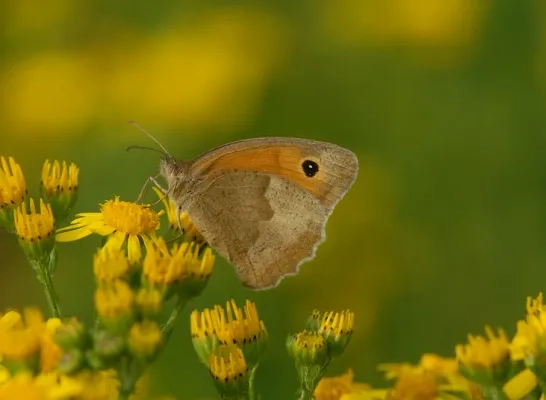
(443, 102)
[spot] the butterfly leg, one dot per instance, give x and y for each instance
(151, 179)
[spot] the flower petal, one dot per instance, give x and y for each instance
(133, 249)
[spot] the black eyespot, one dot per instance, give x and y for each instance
(310, 168)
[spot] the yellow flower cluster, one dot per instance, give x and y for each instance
(218, 334)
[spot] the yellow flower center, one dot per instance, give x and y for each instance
(114, 300)
(57, 178)
(144, 337)
(13, 187)
(129, 218)
(227, 363)
(34, 226)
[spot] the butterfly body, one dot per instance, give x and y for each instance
(262, 203)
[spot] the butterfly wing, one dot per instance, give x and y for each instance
(262, 210)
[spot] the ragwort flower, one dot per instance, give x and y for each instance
(122, 221)
(13, 190)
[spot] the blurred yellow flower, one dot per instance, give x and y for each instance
(20, 335)
(114, 301)
(144, 338)
(110, 263)
(121, 220)
(338, 387)
(484, 352)
(149, 301)
(99, 385)
(207, 73)
(530, 338)
(410, 386)
(452, 24)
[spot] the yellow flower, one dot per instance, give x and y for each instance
(144, 339)
(228, 367)
(20, 336)
(535, 306)
(181, 264)
(110, 263)
(122, 221)
(230, 326)
(190, 231)
(445, 368)
(412, 386)
(35, 230)
(149, 301)
(529, 343)
(13, 189)
(114, 303)
(59, 186)
(484, 353)
(308, 348)
(51, 353)
(337, 329)
(97, 385)
(335, 388)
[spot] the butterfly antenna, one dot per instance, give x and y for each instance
(150, 136)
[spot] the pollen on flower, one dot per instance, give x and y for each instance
(144, 338)
(13, 187)
(34, 226)
(114, 300)
(122, 221)
(484, 352)
(130, 218)
(110, 263)
(227, 363)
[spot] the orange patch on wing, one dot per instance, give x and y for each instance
(282, 161)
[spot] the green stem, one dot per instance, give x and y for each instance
(168, 328)
(251, 393)
(306, 395)
(44, 270)
(51, 294)
(129, 372)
